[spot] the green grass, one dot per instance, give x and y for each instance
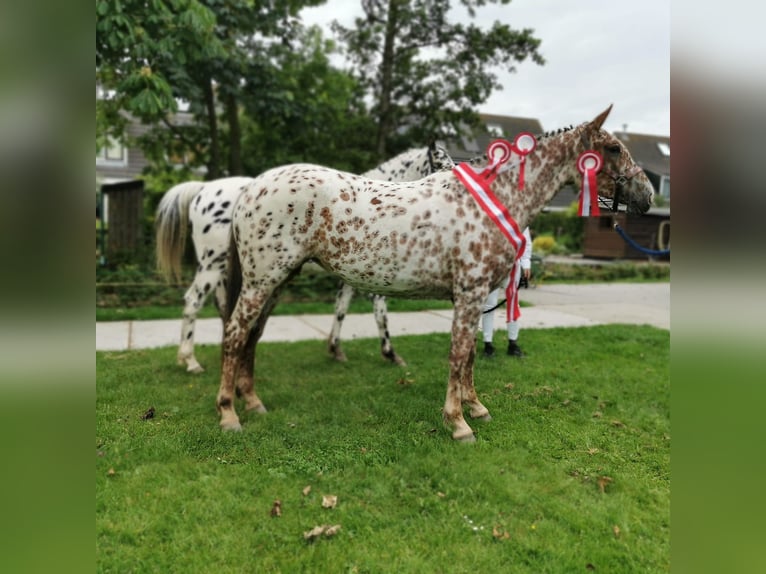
(174, 494)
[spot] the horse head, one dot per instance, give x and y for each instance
(620, 178)
(438, 158)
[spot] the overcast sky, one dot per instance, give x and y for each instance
(598, 52)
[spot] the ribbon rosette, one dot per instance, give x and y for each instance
(524, 144)
(498, 152)
(589, 164)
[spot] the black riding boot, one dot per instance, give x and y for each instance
(489, 350)
(513, 349)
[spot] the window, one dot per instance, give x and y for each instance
(665, 187)
(495, 130)
(112, 153)
(664, 148)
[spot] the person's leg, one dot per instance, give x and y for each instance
(488, 322)
(513, 334)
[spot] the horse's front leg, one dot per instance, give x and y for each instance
(460, 388)
(342, 301)
(381, 318)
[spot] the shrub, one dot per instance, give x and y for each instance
(564, 226)
(543, 244)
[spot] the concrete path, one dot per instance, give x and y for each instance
(553, 306)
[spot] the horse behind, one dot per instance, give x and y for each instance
(208, 208)
(428, 238)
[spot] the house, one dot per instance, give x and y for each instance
(119, 194)
(652, 153)
(120, 166)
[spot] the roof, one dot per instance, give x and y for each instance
(646, 152)
(494, 127)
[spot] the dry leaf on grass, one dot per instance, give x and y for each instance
(329, 501)
(276, 509)
(325, 530)
(618, 424)
(602, 482)
(149, 414)
(405, 382)
(499, 534)
(592, 451)
(616, 530)
(110, 472)
(306, 490)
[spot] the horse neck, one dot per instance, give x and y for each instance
(547, 170)
(410, 160)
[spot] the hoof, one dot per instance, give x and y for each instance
(465, 438)
(196, 369)
(485, 417)
(232, 426)
(259, 408)
(397, 360)
(340, 356)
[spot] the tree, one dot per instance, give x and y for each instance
(309, 111)
(425, 74)
(151, 54)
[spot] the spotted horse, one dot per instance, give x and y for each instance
(427, 238)
(207, 207)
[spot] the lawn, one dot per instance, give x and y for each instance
(572, 474)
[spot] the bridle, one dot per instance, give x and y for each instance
(620, 180)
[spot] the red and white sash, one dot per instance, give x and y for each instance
(478, 184)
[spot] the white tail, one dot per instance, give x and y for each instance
(171, 226)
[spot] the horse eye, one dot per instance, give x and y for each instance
(613, 149)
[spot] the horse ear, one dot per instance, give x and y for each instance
(594, 126)
(601, 118)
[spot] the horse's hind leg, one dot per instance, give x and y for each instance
(381, 318)
(238, 351)
(241, 334)
(245, 380)
(193, 300)
(342, 301)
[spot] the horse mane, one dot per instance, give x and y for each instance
(552, 133)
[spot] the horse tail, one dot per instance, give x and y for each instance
(171, 226)
(234, 279)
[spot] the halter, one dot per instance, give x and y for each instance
(620, 180)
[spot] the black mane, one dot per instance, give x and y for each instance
(554, 133)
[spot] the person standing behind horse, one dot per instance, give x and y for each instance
(523, 269)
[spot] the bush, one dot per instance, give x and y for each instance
(543, 244)
(564, 227)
